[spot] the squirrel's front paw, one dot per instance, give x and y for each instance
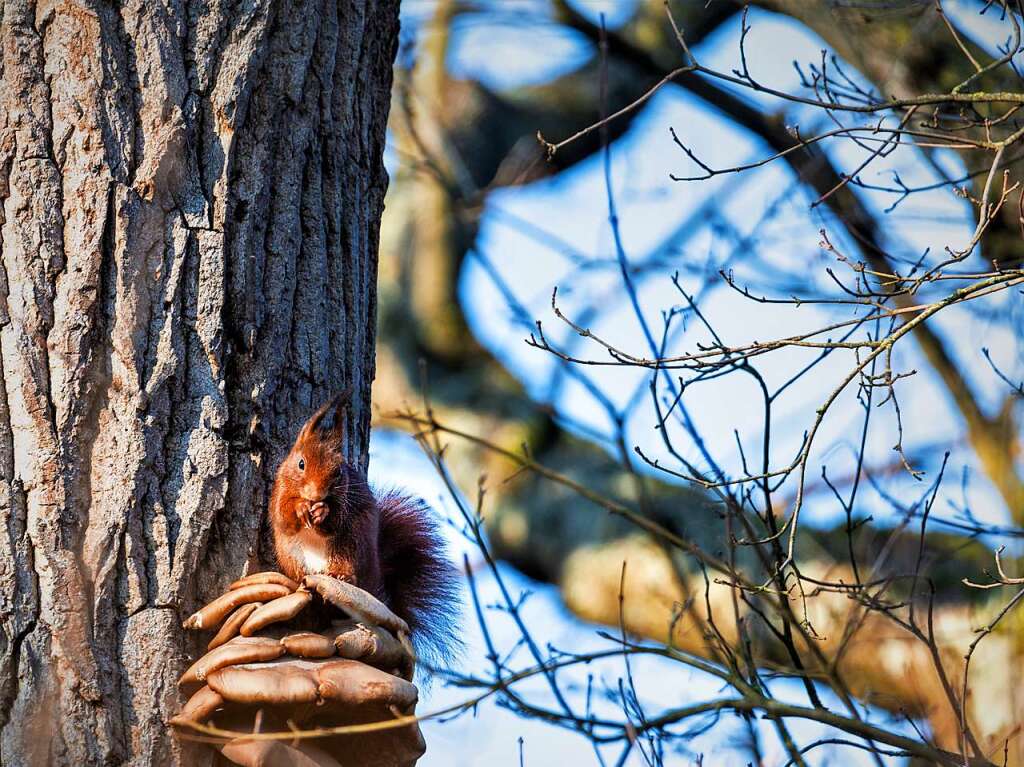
(318, 513)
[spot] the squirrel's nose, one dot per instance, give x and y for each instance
(313, 494)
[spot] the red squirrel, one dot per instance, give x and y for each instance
(326, 519)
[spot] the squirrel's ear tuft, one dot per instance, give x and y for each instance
(313, 423)
(337, 405)
(341, 402)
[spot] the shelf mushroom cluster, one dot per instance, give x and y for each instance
(303, 657)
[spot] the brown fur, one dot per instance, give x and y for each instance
(323, 511)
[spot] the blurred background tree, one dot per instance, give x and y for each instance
(461, 144)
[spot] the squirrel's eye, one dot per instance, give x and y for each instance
(302, 464)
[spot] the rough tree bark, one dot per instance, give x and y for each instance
(190, 199)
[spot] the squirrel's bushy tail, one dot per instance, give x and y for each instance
(420, 582)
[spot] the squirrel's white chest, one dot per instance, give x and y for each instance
(311, 552)
(315, 562)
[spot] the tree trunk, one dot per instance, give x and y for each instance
(190, 198)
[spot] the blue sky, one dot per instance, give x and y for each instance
(572, 208)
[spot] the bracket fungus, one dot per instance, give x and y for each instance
(302, 660)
